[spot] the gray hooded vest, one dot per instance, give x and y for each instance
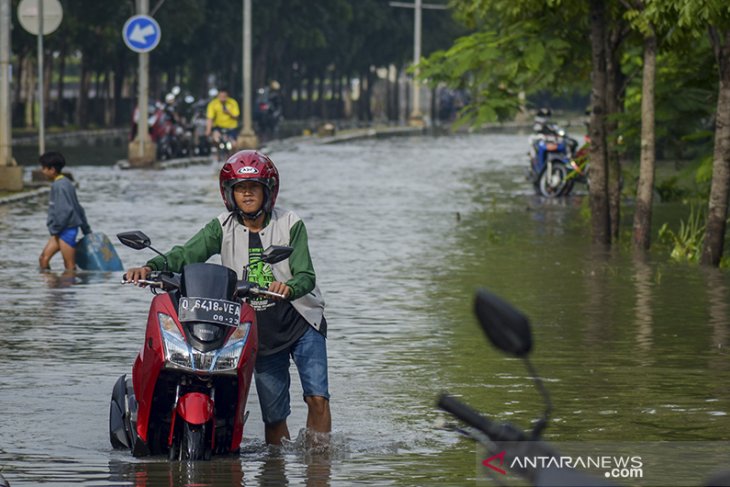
(234, 254)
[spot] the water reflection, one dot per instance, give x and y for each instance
(643, 308)
(162, 473)
(55, 280)
(717, 298)
(311, 469)
(598, 296)
(272, 468)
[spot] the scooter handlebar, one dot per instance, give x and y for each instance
(146, 282)
(264, 292)
(164, 280)
(245, 288)
(495, 431)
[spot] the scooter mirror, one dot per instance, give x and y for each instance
(242, 288)
(276, 253)
(506, 327)
(136, 239)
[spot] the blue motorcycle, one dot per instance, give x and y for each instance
(553, 161)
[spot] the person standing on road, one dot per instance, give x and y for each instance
(65, 213)
(222, 116)
(291, 327)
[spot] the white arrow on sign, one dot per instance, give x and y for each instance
(139, 34)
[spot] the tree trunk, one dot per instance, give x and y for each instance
(108, 101)
(299, 104)
(60, 85)
(370, 79)
(645, 191)
(347, 109)
(310, 96)
(614, 106)
(396, 95)
(120, 68)
(714, 241)
(337, 94)
(17, 97)
(30, 90)
(599, 168)
(47, 77)
(82, 102)
(322, 96)
(361, 98)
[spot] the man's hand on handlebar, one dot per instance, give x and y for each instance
(135, 274)
(280, 288)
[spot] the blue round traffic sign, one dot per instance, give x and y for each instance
(141, 33)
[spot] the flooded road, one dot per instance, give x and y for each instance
(402, 232)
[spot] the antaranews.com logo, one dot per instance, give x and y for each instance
(612, 467)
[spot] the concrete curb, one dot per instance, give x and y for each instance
(25, 195)
(25, 140)
(347, 136)
(169, 164)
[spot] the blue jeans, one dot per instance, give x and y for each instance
(273, 379)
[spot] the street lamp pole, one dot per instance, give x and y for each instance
(416, 115)
(416, 118)
(142, 151)
(11, 175)
(41, 105)
(5, 67)
(247, 138)
(143, 89)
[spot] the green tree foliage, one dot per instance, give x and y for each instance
(519, 60)
(522, 46)
(202, 41)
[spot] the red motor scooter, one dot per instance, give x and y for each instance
(190, 381)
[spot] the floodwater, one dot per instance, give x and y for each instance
(402, 232)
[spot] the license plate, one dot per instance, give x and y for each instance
(209, 310)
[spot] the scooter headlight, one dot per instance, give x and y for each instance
(179, 353)
(227, 357)
(177, 350)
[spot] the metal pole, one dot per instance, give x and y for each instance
(41, 107)
(6, 155)
(247, 67)
(416, 58)
(142, 87)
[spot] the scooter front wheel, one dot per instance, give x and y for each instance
(192, 442)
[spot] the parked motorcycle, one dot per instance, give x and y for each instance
(198, 122)
(556, 163)
(190, 381)
(166, 130)
(267, 111)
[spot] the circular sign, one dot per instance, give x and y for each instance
(28, 15)
(141, 33)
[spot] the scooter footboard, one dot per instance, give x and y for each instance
(195, 408)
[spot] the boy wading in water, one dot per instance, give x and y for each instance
(65, 214)
(291, 327)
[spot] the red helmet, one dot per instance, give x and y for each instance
(249, 165)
